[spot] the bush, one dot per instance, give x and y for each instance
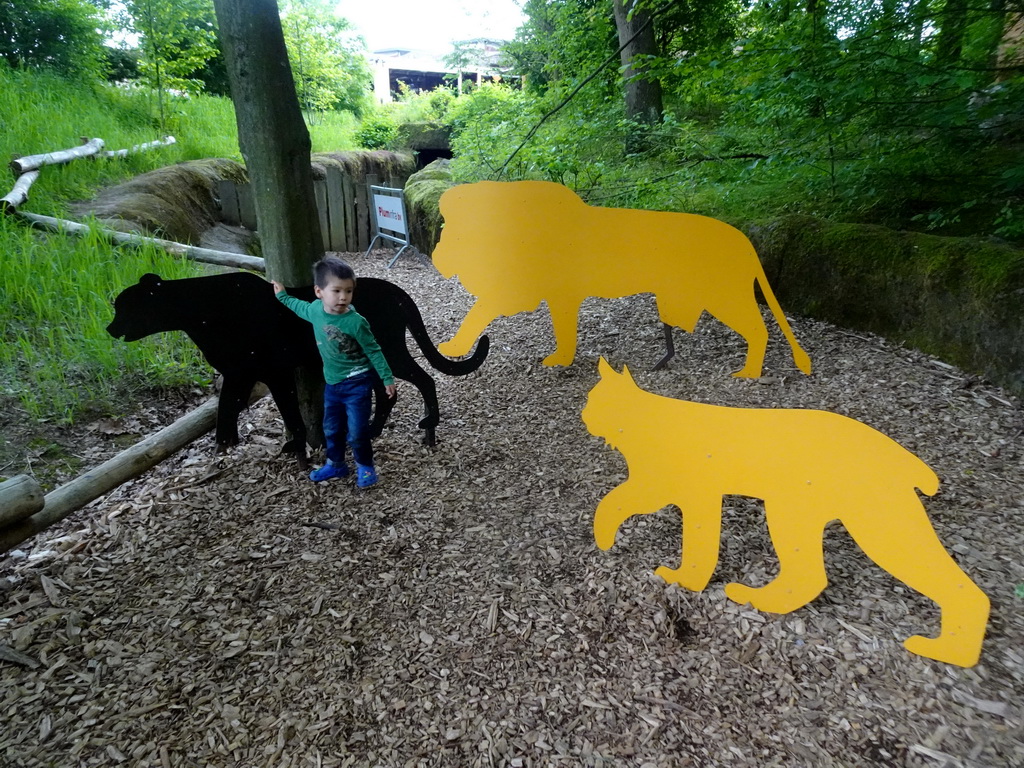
(377, 130)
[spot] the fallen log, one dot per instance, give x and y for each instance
(166, 140)
(207, 255)
(33, 162)
(20, 497)
(128, 464)
(19, 193)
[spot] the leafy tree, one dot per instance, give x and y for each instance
(899, 112)
(327, 60)
(122, 63)
(462, 58)
(177, 38)
(214, 75)
(63, 35)
(561, 42)
(873, 110)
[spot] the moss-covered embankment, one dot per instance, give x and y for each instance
(178, 202)
(423, 190)
(961, 299)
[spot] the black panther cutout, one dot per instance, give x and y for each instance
(247, 335)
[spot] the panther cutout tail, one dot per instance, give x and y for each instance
(447, 366)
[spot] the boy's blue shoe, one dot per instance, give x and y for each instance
(365, 476)
(328, 471)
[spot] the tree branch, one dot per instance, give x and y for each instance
(532, 132)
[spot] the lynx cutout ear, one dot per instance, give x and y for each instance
(603, 368)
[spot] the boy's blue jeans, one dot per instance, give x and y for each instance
(347, 407)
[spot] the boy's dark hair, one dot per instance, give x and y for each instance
(332, 266)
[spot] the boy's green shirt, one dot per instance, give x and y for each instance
(346, 343)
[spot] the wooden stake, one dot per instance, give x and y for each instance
(223, 258)
(128, 464)
(19, 194)
(20, 497)
(34, 162)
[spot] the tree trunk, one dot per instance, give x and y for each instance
(19, 193)
(643, 95)
(1009, 54)
(951, 34)
(276, 146)
(206, 255)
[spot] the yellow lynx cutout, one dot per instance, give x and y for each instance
(516, 244)
(810, 467)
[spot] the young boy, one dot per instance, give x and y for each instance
(350, 354)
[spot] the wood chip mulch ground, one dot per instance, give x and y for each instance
(221, 610)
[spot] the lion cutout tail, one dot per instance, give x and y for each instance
(439, 362)
(800, 357)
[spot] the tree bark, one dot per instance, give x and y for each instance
(643, 94)
(276, 146)
(1009, 52)
(19, 193)
(272, 136)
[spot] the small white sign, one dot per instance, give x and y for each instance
(389, 213)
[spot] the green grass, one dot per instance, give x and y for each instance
(56, 358)
(332, 131)
(40, 112)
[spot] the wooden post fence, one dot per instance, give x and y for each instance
(343, 205)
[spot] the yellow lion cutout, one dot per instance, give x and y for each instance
(810, 467)
(516, 244)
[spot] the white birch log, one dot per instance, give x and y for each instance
(20, 497)
(165, 141)
(207, 255)
(19, 193)
(128, 464)
(34, 162)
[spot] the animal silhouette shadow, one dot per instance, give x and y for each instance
(247, 335)
(810, 468)
(516, 244)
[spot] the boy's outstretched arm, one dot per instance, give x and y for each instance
(278, 287)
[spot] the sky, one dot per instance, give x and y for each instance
(430, 25)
